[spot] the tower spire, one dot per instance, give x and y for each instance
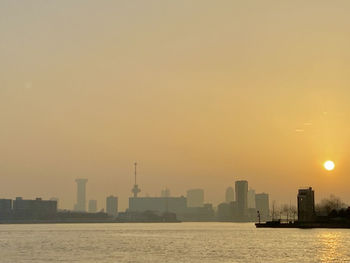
(135, 190)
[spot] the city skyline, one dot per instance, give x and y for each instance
(82, 197)
(201, 93)
(174, 131)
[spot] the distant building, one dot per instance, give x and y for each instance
(251, 198)
(203, 213)
(157, 204)
(81, 195)
(263, 206)
(195, 198)
(225, 211)
(241, 189)
(112, 205)
(55, 199)
(5, 208)
(92, 207)
(306, 205)
(34, 209)
(229, 195)
(165, 193)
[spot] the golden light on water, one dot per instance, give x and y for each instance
(329, 165)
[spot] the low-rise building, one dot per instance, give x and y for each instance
(34, 209)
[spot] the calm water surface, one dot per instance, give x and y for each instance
(182, 242)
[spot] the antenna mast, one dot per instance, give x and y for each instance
(135, 171)
(135, 190)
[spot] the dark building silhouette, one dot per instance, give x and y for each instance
(263, 206)
(306, 205)
(5, 208)
(55, 199)
(81, 195)
(34, 209)
(241, 189)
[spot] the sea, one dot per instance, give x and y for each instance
(170, 242)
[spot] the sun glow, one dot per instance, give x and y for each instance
(329, 165)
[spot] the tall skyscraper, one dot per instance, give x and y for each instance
(306, 205)
(251, 198)
(241, 189)
(262, 205)
(81, 195)
(92, 207)
(112, 205)
(195, 198)
(229, 195)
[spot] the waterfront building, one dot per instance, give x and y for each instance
(81, 195)
(55, 199)
(92, 207)
(195, 198)
(5, 208)
(225, 211)
(203, 213)
(112, 205)
(306, 205)
(34, 209)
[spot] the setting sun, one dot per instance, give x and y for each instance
(329, 165)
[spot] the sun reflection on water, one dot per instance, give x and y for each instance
(331, 247)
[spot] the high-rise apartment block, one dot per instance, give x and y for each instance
(81, 195)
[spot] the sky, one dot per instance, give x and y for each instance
(200, 93)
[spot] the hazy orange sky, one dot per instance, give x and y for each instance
(200, 93)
